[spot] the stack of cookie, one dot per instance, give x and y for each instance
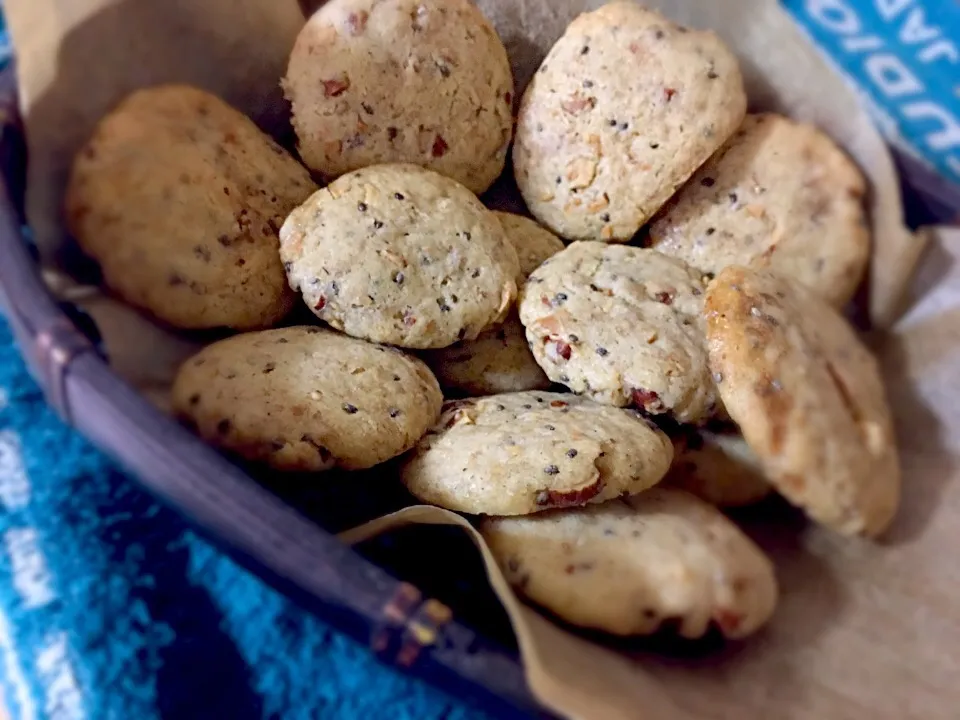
(684, 352)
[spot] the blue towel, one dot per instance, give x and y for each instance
(111, 608)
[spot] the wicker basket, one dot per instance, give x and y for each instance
(379, 602)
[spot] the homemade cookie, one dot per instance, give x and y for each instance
(621, 325)
(179, 198)
(420, 81)
(628, 566)
(499, 360)
(718, 467)
(533, 242)
(304, 398)
(520, 453)
(623, 109)
(779, 194)
(808, 397)
(401, 255)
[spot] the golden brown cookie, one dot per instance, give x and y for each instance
(717, 466)
(304, 398)
(179, 197)
(420, 81)
(499, 360)
(627, 566)
(623, 326)
(807, 395)
(520, 453)
(778, 195)
(622, 111)
(400, 255)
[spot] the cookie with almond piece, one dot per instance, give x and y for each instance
(808, 397)
(520, 453)
(629, 566)
(625, 107)
(780, 195)
(622, 325)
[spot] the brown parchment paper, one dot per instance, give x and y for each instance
(863, 630)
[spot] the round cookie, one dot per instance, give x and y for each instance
(808, 397)
(625, 107)
(499, 360)
(304, 398)
(179, 197)
(780, 195)
(623, 326)
(401, 255)
(420, 81)
(718, 467)
(628, 566)
(520, 453)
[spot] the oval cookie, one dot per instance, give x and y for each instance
(623, 109)
(304, 398)
(627, 566)
(499, 360)
(718, 467)
(519, 453)
(808, 397)
(179, 197)
(420, 81)
(400, 255)
(778, 195)
(621, 325)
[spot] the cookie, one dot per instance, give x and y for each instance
(499, 360)
(533, 242)
(629, 566)
(623, 326)
(779, 195)
(400, 255)
(520, 453)
(808, 397)
(304, 398)
(179, 197)
(625, 107)
(718, 467)
(385, 81)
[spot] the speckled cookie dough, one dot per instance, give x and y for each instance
(622, 111)
(420, 81)
(629, 566)
(179, 197)
(808, 397)
(520, 453)
(718, 467)
(304, 398)
(623, 326)
(781, 195)
(499, 360)
(400, 255)
(533, 242)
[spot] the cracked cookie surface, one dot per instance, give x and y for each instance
(305, 398)
(623, 326)
(808, 397)
(520, 453)
(421, 81)
(401, 255)
(629, 566)
(623, 109)
(779, 195)
(179, 198)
